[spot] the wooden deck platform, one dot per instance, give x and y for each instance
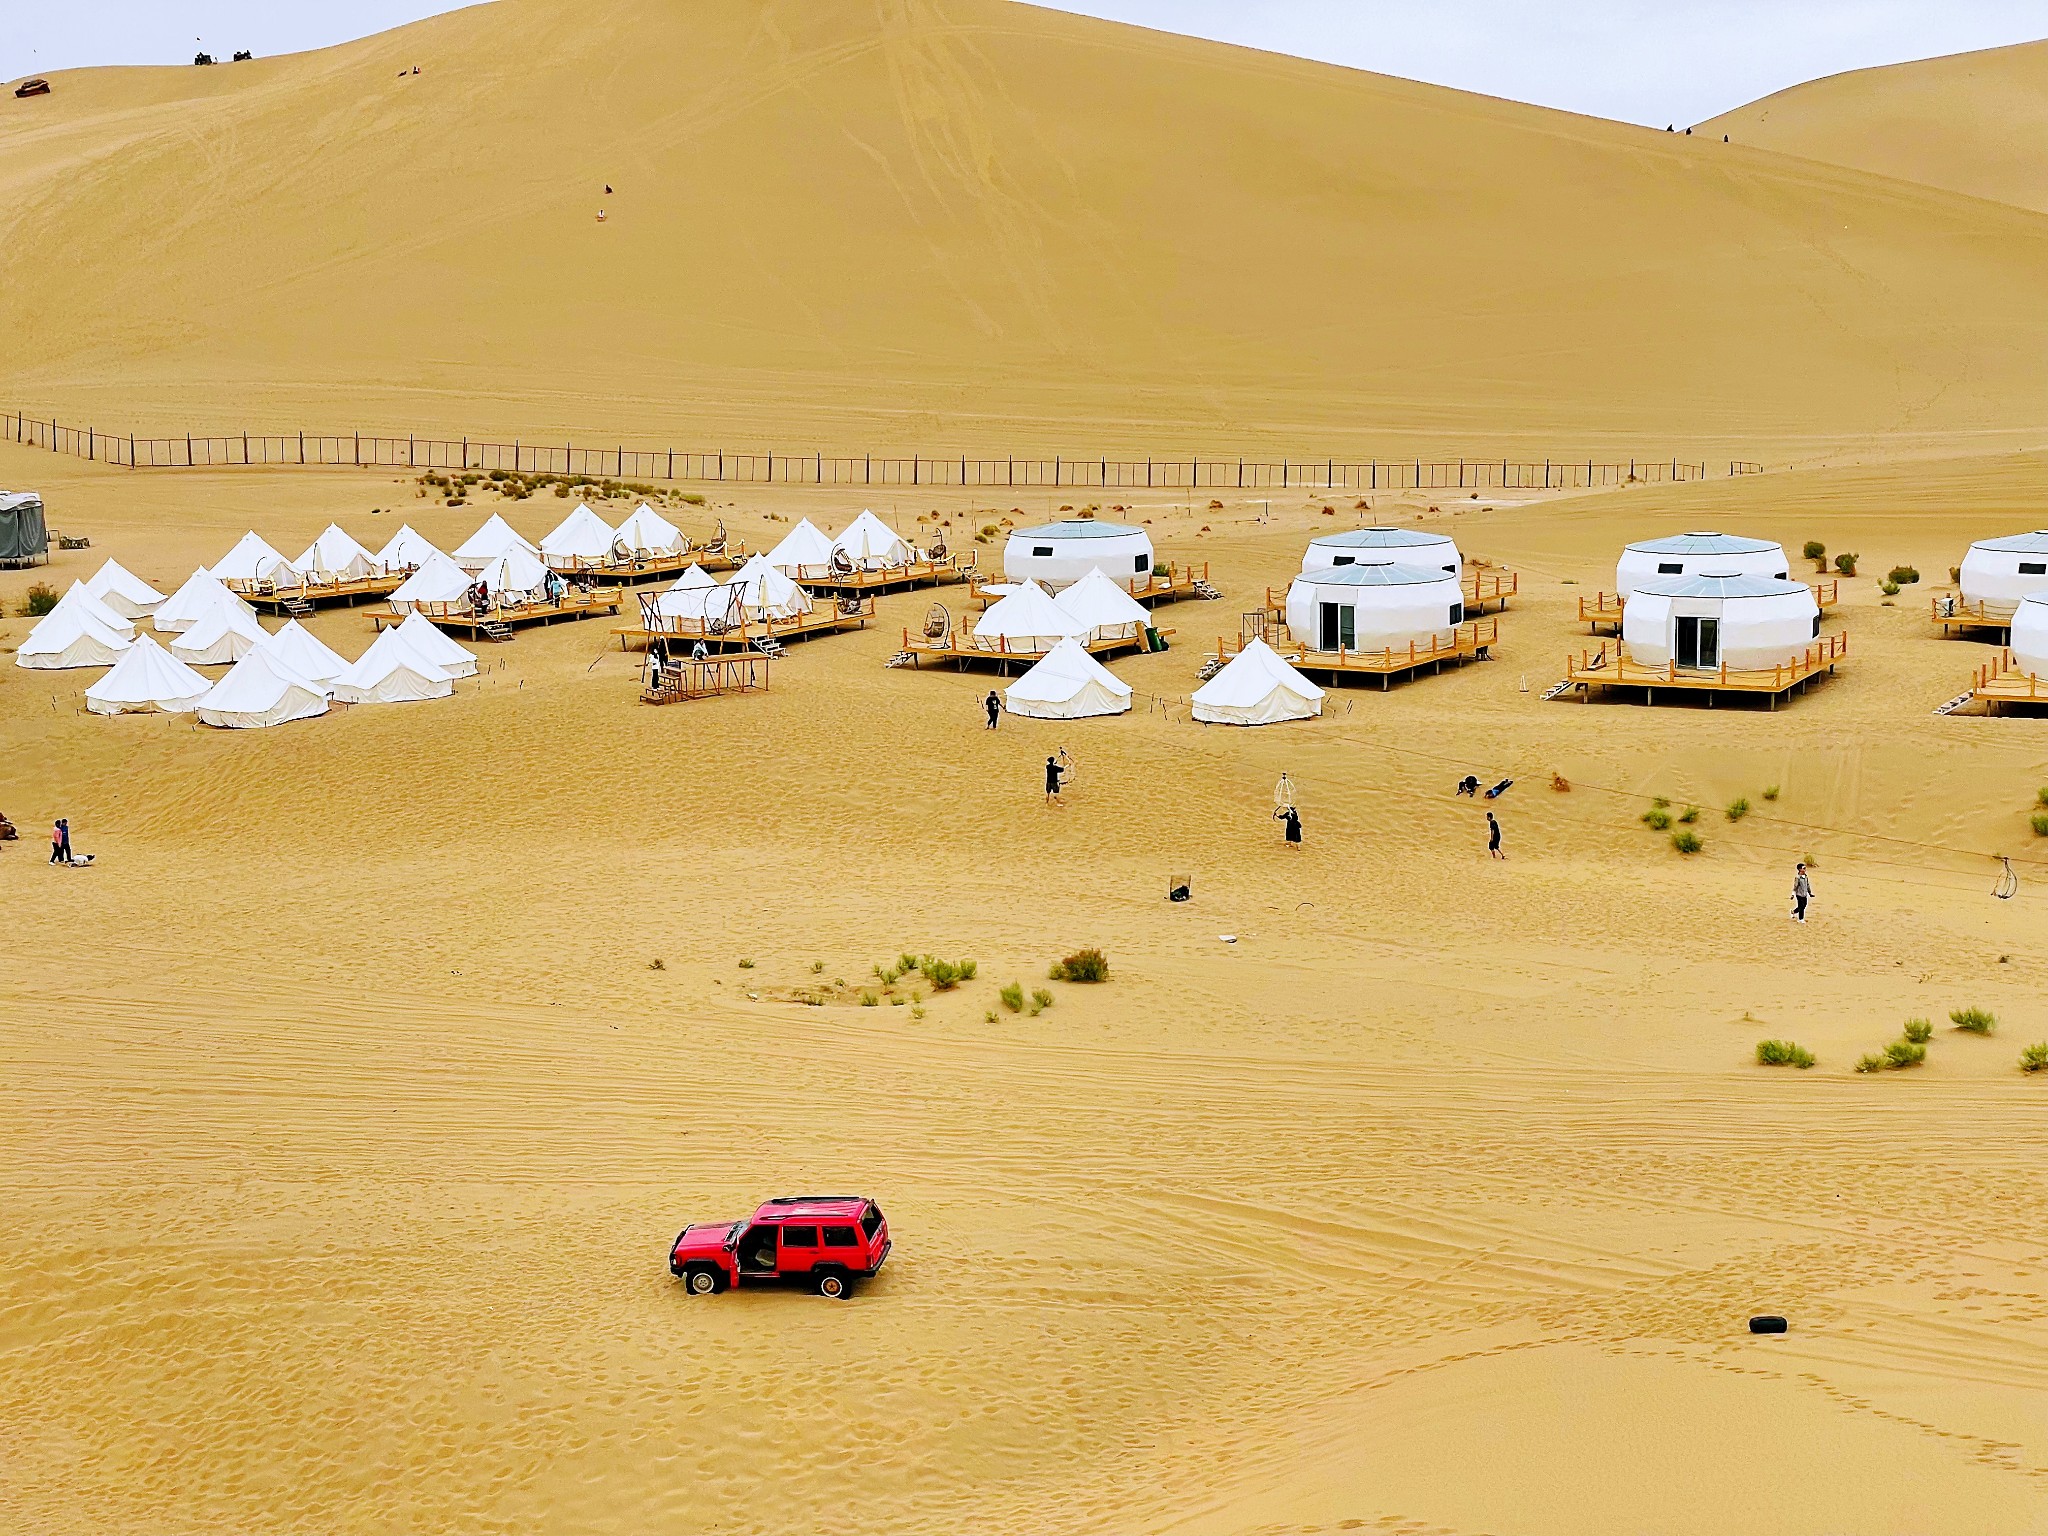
(1176, 584)
(1470, 642)
(1608, 667)
(573, 606)
(965, 650)
(680, 681)
(1954, 614)
(919, 573)
(2000, 683)
(627, 573)
(319, 594)
(1485, 592)
(1602, 611)
(682, 635)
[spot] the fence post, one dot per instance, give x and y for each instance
(867, 472)
(188, 450)
(1055, 469)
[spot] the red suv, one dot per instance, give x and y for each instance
(823, 1241)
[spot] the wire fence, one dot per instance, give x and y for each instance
(373, 451)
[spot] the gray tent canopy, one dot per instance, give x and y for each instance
(23, 537)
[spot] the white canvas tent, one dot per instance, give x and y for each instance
(406, 551)
(146, 678)
(1257, 688)
(1027, 621)
(1746, 623)
(688, 598)
(436, 587)
(71, 637)
(201, 593)
(334, 556)
(252, 562)
(222, 634)
(580, 539)
(647, 532)
(2006, 570)
(391, 671)
(436, 647)
(124, 592)
(805, 553)
(489, 542)
(765, 593)
(260, 692)
(1068, 684)
(1698, 554)
(1106, 609)
(514, 577)
(302, 652)
(77, 599)
(872, 545)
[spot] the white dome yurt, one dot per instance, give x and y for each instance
(1374, 607)
(437, 647)
(252, 562)
(581, 538)
(805, 553)
(2006, 570)
(391, 671)
(1257, 688)
(301, 651)
(147, 678)
(1746, 623)
(334, 556)
(126, 593)
(1372, 546)
(1058, 553)
(1027, 621)
(1068, 684)
(260, 692)
(71, 637)
(406, 551)
(495, 538)
(1698, 554)
(647, 532)
(872, 545)
(2030, 635)
(223, 634)
(1108, 611)
(201, 593)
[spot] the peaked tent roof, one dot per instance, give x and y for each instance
(304, 653)
(436, 647)
(260, 691)
(1030, 618)
(123, 591)
(438, 580)
(490, 541)
(335, 554)
(147, 677)
(392, 671)
(696, 576)
(868, 540)
(1099, 603)
(804, 545)
(71, 637)
(406, 550)
(250, 560)
(766, 593)
(582, 535)
(648, 531)
(516, 570)
(1257, 688)
(202, 592)
(224, 633)
(77, 599)
(1068, 684)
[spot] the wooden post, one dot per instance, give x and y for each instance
(188, 450)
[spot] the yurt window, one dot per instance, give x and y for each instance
(1457, 614)
(1337, 626)
(2033, 568)
(1040, 549)
(1353, 560)
(1141, 564)
(1672, 570)
(1816, 626)
(1699, 642)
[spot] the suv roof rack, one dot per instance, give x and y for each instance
(810, 1199)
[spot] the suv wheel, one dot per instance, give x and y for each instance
(834, 1286)
(701, 1280)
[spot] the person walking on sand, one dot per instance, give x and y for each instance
(56, 842)
(1802, 893)
(64, 826)
(1292, 817)
(1053, 773)
(994, 706)
(1493, 848)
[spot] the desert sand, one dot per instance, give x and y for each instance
(346, 1120)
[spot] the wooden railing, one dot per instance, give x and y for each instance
(1466, 640)
(1616, 667)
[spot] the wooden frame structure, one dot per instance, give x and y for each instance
(268, 597)
(922, 572)
(1954, 614)
(574, 605)
(1611, 668)
(965, 649)
(1471, 641)
(721, 676)
(1178, 582)
(770, 635)
(2001, 682)
(1603, 609)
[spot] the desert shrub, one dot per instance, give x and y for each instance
(1870, 1061)
(1013, 996)
(1771, 793)
(1660, 804)
(41, 598)
(1656, 820)
(817, 966)
(869, 1000)
(1919, 1031)
(944, 975)
(1689, 815)
(1904, 1053)
(988, 1016)
(1846, 564)
(2039, 822)
(1888, 588)
(1815, 550)
(2041, 795)
(691, 497)
(1082, 965)
(1687, 842)
(1904, 575)
(657, 964)
(2035, 1057)
(1783, 1053)
(746, 965)
(1973, 1021)
(1040, 998)
(897, 1002)
(1737, 809)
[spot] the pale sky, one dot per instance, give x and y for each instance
(1644, 61)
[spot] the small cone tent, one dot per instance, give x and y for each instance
(407, 551)
(78, 600)
(253, 561)
(490, 541)
(221, 635)
(695, 576)
(71, 637)
(302, 652)
(687, 598)
(147, 677)
(124, 592)
(334, 556)
(581, 537)
(391, 671)
(1027, 621)
(805, 551)
(647, 532)
(514, 576)
(437, 647)
(765, 593)
(439, 584)
(259, 692)
(1257, 688)
(872, 544)
(1108, 611)
(1068, 684)
(201, 593)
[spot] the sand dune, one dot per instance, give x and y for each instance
(1975, 123)
(960, 224)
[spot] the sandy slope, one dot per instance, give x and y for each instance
(1975, 123)
(344, 1122)
(963, 224)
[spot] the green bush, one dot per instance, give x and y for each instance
(1783, 1053)
(1771, 793)
(1737, 809)
(2039, 822)
(1660, 804)
(1815, 550)
(1919, 1031)
(1870, 1062)
(869, 1000)
(1082, 965)
(1656, 820)
(41, 598)
(2041, 795)
(2035, 1058)
(1904, 1053)
(1690, 815)
(1974, 1021)
(1903, 575)
(988, 1016)
(1013, 996)
(1040, 998)
(1846, 564)
(1687, 842)
(944, 975)
(746, 965)
(1888, 588)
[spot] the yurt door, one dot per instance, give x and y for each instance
(1337, 626)
(1698, 642)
